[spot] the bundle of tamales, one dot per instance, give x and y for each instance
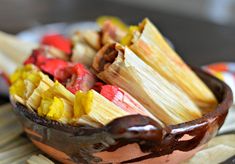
(148, 43)
(98, 76)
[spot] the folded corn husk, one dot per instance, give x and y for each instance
(96, 107)
(87, 120)
(14, 48)
(59, 90)
(39, 159)
(86, 43)
(90, 38)
(219, 149)
(119, 66)
(28, 84)
(148, 43)
(33, 102)
(56, 103)
(24, 80)
(124, 100)
(56, 108)
(6, 64)
(112, 29)
(83, 54)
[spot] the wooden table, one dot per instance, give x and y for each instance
(198, 42)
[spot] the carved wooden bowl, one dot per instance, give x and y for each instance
(130, 139)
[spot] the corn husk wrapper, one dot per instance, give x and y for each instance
(57, 103)
(18, 99)
(151, 47)
(56, 108)
(96, 107)
(33, 102)
(114, 20)
(88, 37)
(15, 49)
(86, 43)
(22, 72)
(59, 90)
(39, 159)
(7, 65)
(87, 120)
(24, 80)
(55, 53)
(124, 100)
(50, 99)
(121, 67)
(83, 54)
(219, 149)
(28, 84)
(112, 29)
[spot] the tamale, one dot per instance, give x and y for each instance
(148, 43)
(7, 65)
(124, 100)
(28, 84)
(89, 37)
(118, 65)
(85, 45)
(24, 81)
(59, 90)
(39, 159)
(34, 100)
(83, 54)
(96, 107)
(56, 103)
(112, 29)
(87, 120)
(16, 49)
(56, 108)
(53, 52)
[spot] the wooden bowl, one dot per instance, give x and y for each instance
(130, 139)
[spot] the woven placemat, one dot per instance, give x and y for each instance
(15, 148)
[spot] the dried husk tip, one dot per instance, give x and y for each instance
(96, 107)
(148, 43)
(118, 65)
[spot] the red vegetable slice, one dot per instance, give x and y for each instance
(58, 41)
(98, 86)
(47, 65)
(75, 78)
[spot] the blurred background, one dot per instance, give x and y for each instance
(217, 11)
(202, 31)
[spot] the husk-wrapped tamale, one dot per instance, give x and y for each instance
(112, 29)
(85, 45)
(96, 107)
(124, 100)
(14, 48)
(57, 104)
(148, 43)
(119, 66)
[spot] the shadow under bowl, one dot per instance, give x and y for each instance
(129, 139)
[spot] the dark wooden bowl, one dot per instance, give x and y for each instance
(128, 139)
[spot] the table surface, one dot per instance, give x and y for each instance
(198, 42)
